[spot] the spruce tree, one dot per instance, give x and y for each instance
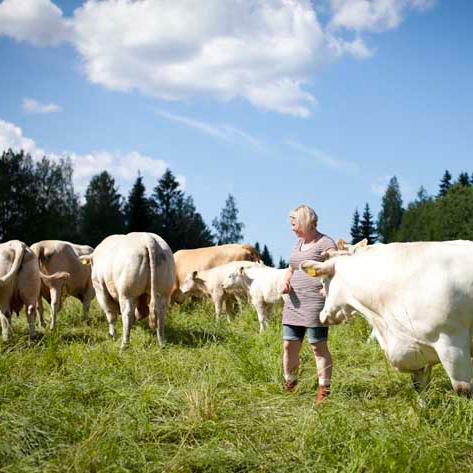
(355, 230)
(464, 179)
(282, 263)
(390, 216)
(102, 213)
(138, 209)
(266, 257)
(228, 228)
(175, 216)
(367, 227)
(445, 184)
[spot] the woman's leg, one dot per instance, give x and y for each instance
(323, 360)
(291, 359)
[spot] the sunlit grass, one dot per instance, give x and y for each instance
(211, 400)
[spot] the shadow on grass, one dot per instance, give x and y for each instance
(192, 337)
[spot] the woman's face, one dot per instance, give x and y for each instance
(296, 228)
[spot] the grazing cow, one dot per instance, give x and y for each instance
(133, 272)
(20, 284)
(418, 297)
(209, 283)
(200, 259)
(56, 255)
(262, 284)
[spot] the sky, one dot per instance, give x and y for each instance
(278, 102)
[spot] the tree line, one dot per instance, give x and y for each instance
(38, 202)
(445, 216)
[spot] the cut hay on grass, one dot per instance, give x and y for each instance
(211, 401)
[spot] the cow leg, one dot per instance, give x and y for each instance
(107, 306)
(55, 305)
(454, 354)
(127, 309)
(31, 315)
(6, 326)
(421, 378)
(217, 298)
(88, 296)
(160, 318)
(41, 312)
(261, 313)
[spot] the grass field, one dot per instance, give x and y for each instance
(211, 400)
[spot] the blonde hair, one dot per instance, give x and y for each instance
(305, 217)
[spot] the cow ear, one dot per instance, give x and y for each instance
(341, 245)
(329, 253)
(361, 244)
(194, 275)
(86, 259)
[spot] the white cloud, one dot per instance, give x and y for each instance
(263, 51)
(321, 157)
(373, 15)
(123, 167)
(224, 132)
(33, 106)
(38, 21)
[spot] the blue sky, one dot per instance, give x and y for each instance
(279, 102)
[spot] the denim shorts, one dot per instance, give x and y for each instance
(297, 332)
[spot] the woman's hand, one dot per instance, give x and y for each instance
(286, 284)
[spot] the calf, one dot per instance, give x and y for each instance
(199, 259)
(263, 285)
(209, 283)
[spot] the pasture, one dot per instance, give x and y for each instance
(212, 401)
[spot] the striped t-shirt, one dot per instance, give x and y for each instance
(304, 301)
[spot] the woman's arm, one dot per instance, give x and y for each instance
(286, 286)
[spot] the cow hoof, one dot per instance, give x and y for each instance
(463, 388)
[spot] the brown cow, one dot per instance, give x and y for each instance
(54, 256)
(198, 259)
(20, 284)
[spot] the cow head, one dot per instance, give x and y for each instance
(193, 285)
(335, 310)
(344, 248)
(236, 280)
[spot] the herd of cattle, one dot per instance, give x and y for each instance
(418, 297)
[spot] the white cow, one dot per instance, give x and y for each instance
(263, 285)
(418, 297)
(209, 283)
(133, 272)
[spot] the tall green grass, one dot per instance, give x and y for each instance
(211, 401)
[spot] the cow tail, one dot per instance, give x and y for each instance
(60, 275)
(19, 253)
(150, 246)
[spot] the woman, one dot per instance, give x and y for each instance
(305, 301)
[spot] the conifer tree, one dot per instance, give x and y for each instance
(175, 216)
(258, 248)
(355, 230)
(282, 263)
(464, 179)
(445, 184)
(138, 209)
(102, 213)
(367, 227)
(266, 257)
(390, 216)
(228, 228)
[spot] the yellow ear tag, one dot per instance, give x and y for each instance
(311, 271)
